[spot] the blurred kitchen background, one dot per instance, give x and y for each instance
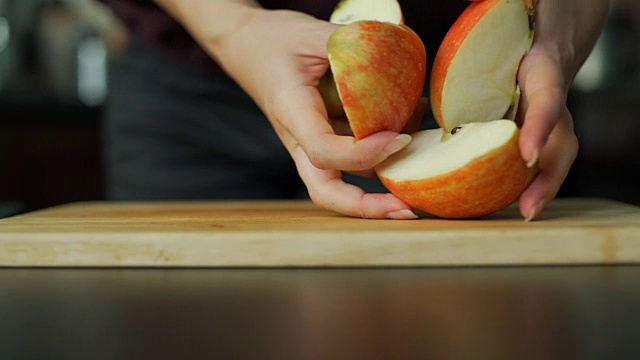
(54, 78)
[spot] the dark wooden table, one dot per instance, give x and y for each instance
(567, 312)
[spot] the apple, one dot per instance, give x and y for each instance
(474, 72)
(471, 172)
(471, 165)
(349, 11)
(379, 70)
(377, 67)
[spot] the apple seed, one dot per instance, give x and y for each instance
(455, 130)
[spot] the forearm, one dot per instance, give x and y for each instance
(569, 29)
(211, 22)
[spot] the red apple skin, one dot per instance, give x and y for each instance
(448, 49)
(379, 69)
(489, 184)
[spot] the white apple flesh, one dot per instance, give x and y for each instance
(471, 173)
(349, 11)
(474, 72)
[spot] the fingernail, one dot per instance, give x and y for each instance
(402, 215)
(534, 211)
(397, 144)
(534, 160)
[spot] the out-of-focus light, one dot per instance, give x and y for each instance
(5, 35)
(592, 74)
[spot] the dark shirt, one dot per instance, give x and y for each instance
(429, 18)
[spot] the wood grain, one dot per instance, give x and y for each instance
(298, 234)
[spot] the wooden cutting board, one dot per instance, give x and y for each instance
(298, 234)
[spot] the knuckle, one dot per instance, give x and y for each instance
(317, 198)
(574, 146)
(318, 159)
(361, 158)
(361, 162)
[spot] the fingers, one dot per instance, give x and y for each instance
(300, 118)
(557, 158)
(319, 156)
(547, 129)
(543, 101)
(341, 125)
(283, 84)
(328, 190)
(325, 150)
(544, 109)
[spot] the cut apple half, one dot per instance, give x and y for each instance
(379, 71)
(474, 72)
(469, 172)
(377, 67)
(471, 166)
(349, 11)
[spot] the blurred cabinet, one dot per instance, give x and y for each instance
(53, 80)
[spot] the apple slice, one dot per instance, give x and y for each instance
(377, 67)
(471, 166)
(349, 11)
(470, 172)
(379, 70)
(474, 72)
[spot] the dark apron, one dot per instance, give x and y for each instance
(174, 131)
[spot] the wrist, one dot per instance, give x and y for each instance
(568, 40)
(211, 23)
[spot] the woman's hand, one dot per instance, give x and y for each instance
(278, 58)
(566, 31)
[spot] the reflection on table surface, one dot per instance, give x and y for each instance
(477, 313)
